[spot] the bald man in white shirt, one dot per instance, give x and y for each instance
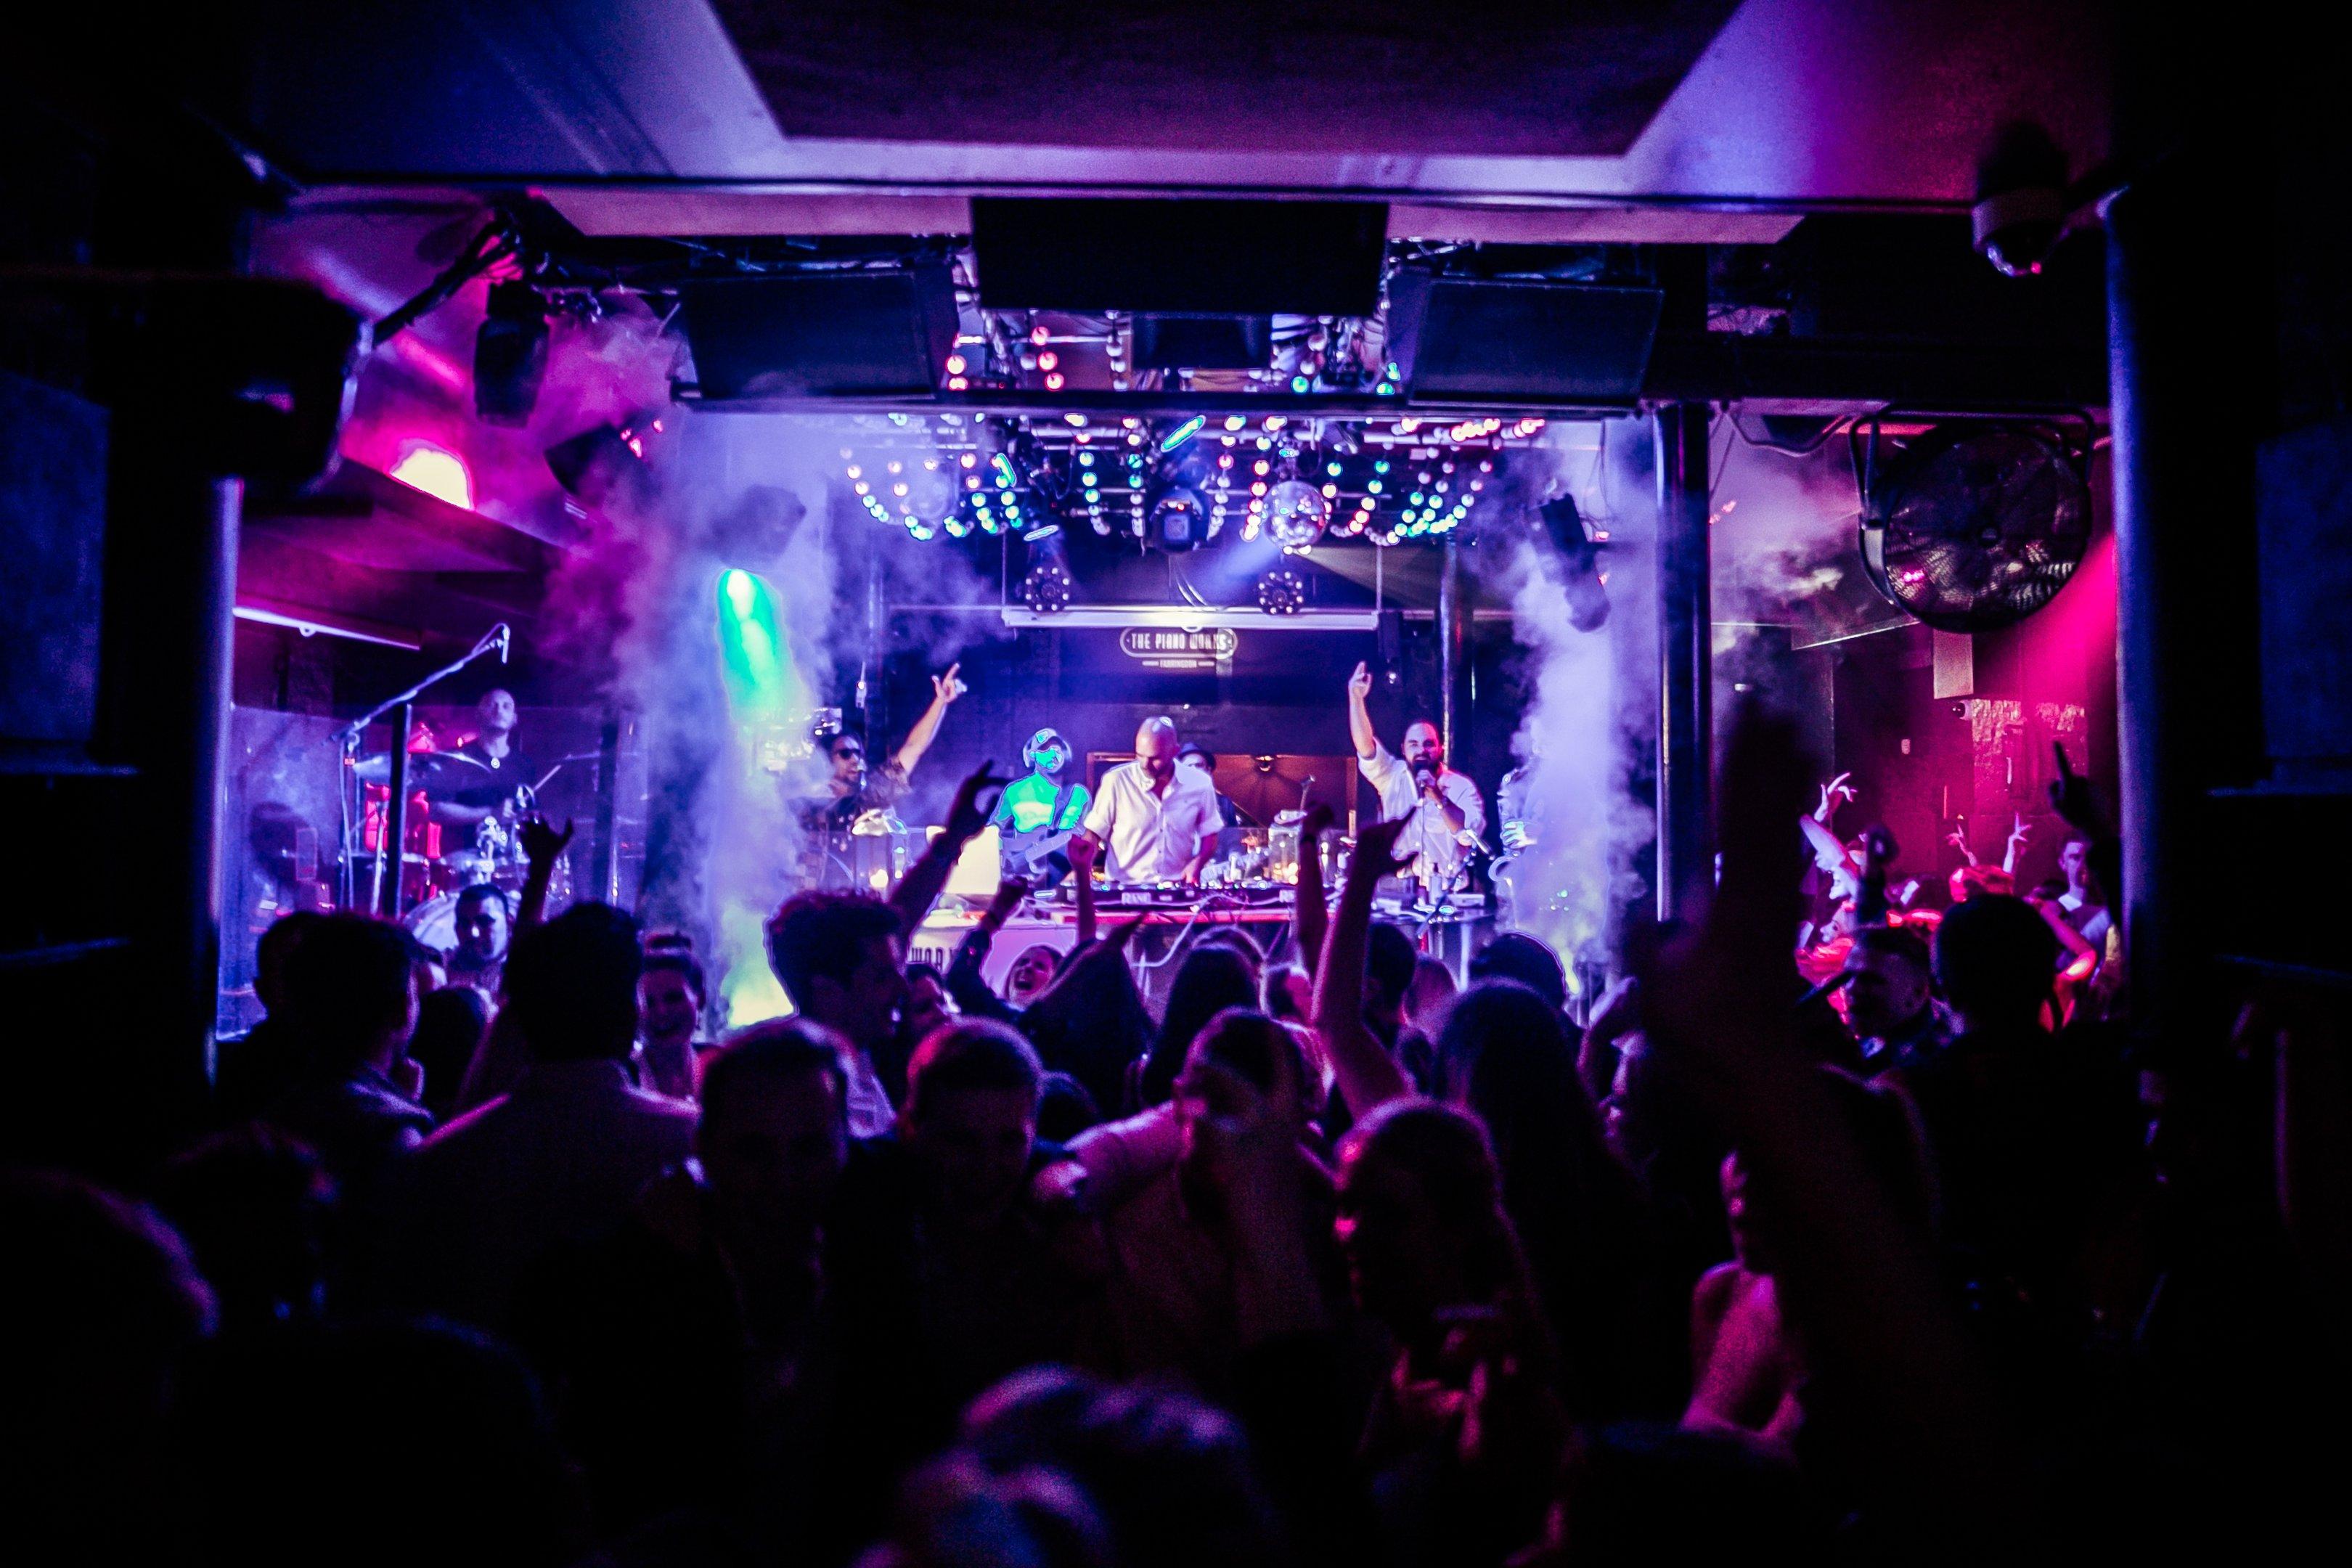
(1151, 820)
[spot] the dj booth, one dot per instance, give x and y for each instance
(1175, 916)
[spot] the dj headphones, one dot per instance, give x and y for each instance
(1044, 740)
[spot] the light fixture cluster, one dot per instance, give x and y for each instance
(941, 492)
(1291, 480)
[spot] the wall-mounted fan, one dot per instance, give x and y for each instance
(1973, 527)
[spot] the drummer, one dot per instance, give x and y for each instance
(464, 800)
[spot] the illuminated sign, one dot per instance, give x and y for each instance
(1169, 648)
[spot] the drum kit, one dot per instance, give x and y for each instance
(439, 860)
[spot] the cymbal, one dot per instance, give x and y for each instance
(427, 771)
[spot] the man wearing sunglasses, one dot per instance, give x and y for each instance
(853, 789)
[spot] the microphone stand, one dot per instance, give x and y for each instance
(347, 739)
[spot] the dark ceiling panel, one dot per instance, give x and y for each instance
(1355, 76)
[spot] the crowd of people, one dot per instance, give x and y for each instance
(1900, 1249)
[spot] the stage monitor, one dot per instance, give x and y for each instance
(796, 333)
(1212, 257)
(1469, 337)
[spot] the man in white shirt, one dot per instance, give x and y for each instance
(2087, 916)
(1447, 815)
(1153, 821)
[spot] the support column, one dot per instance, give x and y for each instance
(1685, 650)
(604, 854)
(1453, 654)
(165, 642)
(2190, 679)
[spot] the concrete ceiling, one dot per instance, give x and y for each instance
(1775, 105)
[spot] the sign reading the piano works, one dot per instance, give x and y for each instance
(1169, 647)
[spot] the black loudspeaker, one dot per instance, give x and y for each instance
(1203, 342)
(1391, 633)
(1453, 337)
(1217, 256)
(887, 330)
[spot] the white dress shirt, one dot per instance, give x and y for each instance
(1150, 836)
(1429, 841)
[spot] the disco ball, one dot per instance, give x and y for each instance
(931, 494)
(1295, 512)
(1046, 589)
(1282, 592)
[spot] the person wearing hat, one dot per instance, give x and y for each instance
(1037, 814)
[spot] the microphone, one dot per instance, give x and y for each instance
(1422, 778)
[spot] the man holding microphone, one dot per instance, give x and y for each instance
(1448, 817)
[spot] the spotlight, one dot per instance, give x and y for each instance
(1579, 563)
(1046, 589)
(437, 472)
(1282, 592)
(1179, 519)
(511, 355)
(1295, 513)
(588, 465)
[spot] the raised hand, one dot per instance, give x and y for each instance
(2017, 834)
(2071, 798)
(1619, 1011)
(540, 842)
(1082, 852)
(1009, 894)
(1320, 820)
(1360, 685)
(1837, 789)
(968, 814)
(946, 688)
(1376, 851)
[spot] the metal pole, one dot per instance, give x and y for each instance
(1453, 654)
(1686, 656)
(605, 857)
(395, 815)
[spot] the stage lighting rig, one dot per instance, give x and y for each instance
(1578, 557)
(1177, 519)
(511, 355)
(1282, 592)
(1046, 587)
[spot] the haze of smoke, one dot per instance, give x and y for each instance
(1590, 704)
(757, 493)
(1785, 529)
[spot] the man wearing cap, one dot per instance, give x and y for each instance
(1037, 814)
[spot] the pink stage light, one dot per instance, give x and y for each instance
(436, 472)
